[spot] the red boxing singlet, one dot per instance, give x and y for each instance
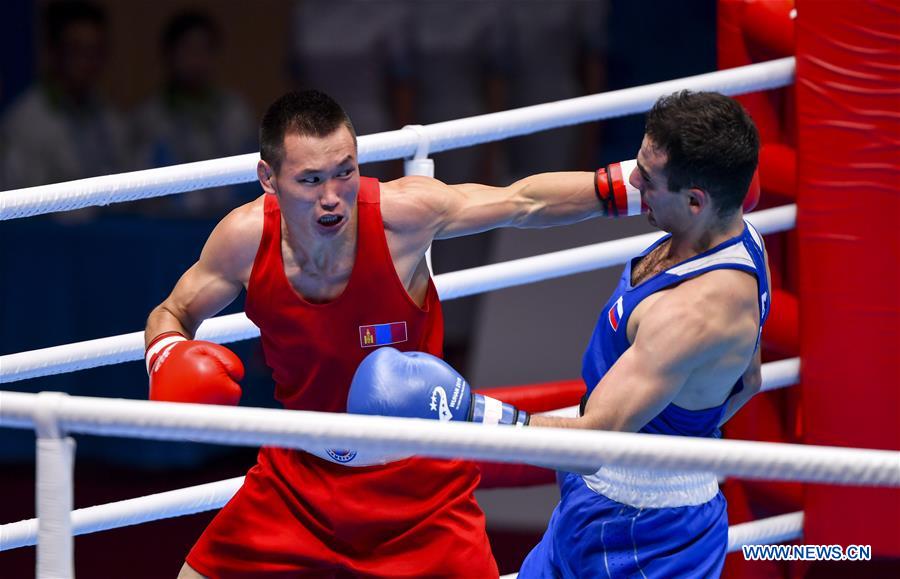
(298, 514)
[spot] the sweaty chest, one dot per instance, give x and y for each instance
(316, 285)
(323, 285)
(651, 264)
(643, 270)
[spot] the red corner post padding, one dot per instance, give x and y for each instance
(781, 333)
(532, 398)
(848, 220)
(767, 27)
(778, 169)
(540, 397)
(735, 48)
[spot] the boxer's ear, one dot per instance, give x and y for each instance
(266, 175)
(698, 200)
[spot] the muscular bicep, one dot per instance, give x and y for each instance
(217, 277)
(673, 340)
(201, 293)
(642, 382)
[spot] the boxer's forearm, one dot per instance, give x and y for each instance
(563, 198)
(544, 421)
(556, 199)
(160, 320)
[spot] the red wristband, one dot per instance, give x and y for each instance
(617, 196)
(159, 344)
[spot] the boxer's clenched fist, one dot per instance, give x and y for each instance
(617, 195)
(418, 385)
(200, 372)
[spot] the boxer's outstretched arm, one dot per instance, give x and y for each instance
(214, 281)
(443, 211)
(542, 200)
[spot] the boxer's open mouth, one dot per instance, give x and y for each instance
(330, 220)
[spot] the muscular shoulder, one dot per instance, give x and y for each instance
(713, 310)
(232, 246)
(413, 203)
(723, 288)
(723, 293)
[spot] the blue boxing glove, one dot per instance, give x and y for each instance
(418, 385)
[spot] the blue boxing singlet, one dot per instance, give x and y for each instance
(609, 340)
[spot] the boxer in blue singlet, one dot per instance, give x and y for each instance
(675, 351)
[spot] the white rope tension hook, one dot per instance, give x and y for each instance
(46, 414)
(420, 164)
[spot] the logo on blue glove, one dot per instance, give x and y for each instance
(440, 406)
(341, 455)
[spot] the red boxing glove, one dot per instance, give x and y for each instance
(618, 197)
(183, 370)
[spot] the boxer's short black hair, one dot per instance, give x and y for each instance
(308, 113)
(711, 143)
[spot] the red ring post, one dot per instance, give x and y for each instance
(848, 221)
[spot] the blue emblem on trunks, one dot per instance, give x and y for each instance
(342, 455)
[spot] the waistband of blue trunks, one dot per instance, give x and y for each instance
(653, 489)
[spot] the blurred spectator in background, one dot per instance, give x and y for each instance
(356, 51)
(192, 118)
(62, 128)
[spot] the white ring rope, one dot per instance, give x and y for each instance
(779, 374)
(206, 497)
(211, 496)
(186, 501)
(392, 144)
(780, 529)
(579, 449)
(234, 327)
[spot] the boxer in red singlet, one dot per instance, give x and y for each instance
(334, 266)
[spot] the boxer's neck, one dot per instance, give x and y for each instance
(704, 236)
(321, 255)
